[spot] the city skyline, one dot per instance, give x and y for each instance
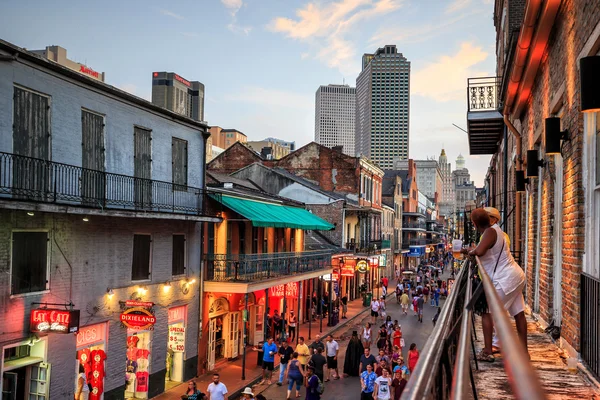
(261, 62)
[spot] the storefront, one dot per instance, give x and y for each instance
(138, 318)
(218, 318)
(91, 353)
(175, 346)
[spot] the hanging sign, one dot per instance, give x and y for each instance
(290, 290)
(56, 321)
(347, 270)
(138, 318)
(374, 261)
(177, 338)
(362, 266)
(335, 276)
(382, 260)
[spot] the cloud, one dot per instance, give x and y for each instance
(234, 6)
(326, 27)
(446, 78)
(171, 14)
(457, 5)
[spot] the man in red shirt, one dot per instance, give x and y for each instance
(385, 281)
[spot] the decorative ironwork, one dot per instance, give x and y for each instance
(218, 307)
(33, 179)
(257, 267)
(483, 93)
(590, 322)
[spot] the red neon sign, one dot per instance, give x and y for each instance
(88, 71)
(50, 320)
(290, 290)
(137, 303)
(138, 318)
(184, 81)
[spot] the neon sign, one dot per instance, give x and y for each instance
(57, 321)
(88, 71)
(180, 79)
(138, 318)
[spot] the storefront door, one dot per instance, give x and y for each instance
(137, 370)
(212, 338)
(25, 376)
(175, 346)
(39, 378)
(257, 317)
(233, 342)
(217, 331)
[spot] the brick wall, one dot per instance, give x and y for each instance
(332, 213)
(97, 255)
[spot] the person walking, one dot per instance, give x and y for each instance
(192, 392)
(399, 382)
(269, 349)
(333, 348)
(285, 354)
(383, 386)
(82, 391)
(295, 375)
(506, 276)
(303, 352)
(344, 301)
(405, 302)
(354, 351)
(413, 357)
(293, 320)
(318, 361)
(436, 297)
(216, 390)
(247, 393)
(316, 344)
(420, 304)
(367, 383)
(367, 359)
(367, 336)
(374, 311)
(311, 381)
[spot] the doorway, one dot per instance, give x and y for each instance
(218, 321)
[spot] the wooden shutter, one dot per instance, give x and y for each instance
(29, 262)
(31, 127)
(140, 269)
(93, 157)
(178, 262)
(179, 163)
(142, 167)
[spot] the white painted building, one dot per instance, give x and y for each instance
(101, 211)
(429, 176)
(334, 117)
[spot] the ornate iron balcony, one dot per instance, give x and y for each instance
(258, 267)
(483, 93)
(32, 179)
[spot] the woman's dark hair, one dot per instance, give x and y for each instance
(480, 218)
(413, 346)
(295, 355)
(81, 368)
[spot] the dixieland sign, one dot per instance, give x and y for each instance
(51, 320)
(138, 318)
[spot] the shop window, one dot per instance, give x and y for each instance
(137, 373)
(140, 269)
(254, 240)
(29, 267)
(15, 353)
(178, 262)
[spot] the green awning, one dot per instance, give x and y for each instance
(271, 215)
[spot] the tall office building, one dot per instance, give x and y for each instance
(179, 95)
(460, 162)
(59, 55)
(447, 198)
(382, 107)
(335, 106)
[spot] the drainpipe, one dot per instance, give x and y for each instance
(518, 223)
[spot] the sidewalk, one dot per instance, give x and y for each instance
(548, 361)
(231, 372)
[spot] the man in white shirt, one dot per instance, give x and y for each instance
(375, 310)
(217, 390)
(333, 348)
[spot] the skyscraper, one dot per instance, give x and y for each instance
(447, 198)
(382, 106)
(179, 95)
(335, 106)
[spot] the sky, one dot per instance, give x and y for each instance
(262, 61)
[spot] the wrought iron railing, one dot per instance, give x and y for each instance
(33, 179)
(256, 267)
(414, 225)
(482, 93)
(590, 322)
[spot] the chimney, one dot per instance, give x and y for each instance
(338, 149)
(267, 153)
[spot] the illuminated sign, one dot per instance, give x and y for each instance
(91, 334)
(335, 275)
(57, 321)
(136, 303)
(347, 270)
(177, 338)
(290, 290)
(362, 266)
(180, 79)
(383, 260)
(177, 314)
(138, 318)
(374, 261)
(88, 71)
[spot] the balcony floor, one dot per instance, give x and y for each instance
(549, 363)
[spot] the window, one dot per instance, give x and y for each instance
(140, 267)
(179, 160)
(178, 261)
(29, 268)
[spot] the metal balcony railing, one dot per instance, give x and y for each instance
(483, 93)
(33, 179)
(590, 322)
(257, 267)
(414, 225)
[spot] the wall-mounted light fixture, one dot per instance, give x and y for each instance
(589, 83)
(110, 293)
(30, 213)
(520, 181)
(142, 290)
(85, 219)
(533, 162)
(167, 287)
(554, 135)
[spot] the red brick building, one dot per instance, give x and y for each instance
(553, 219)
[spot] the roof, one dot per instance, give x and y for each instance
(403, 174)
(224, 178)
(309, 184)
(21, 53)
(233, 130)
(315, 240)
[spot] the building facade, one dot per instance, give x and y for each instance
(429, 176)
(447, 196)
(101, 203)
(223, 138)
(543, 90)
(335, 107)
(382, 107)
(179, 95)
(58, 55)
(269, 148)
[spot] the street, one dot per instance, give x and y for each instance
(412, 332)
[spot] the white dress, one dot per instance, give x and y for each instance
(508, 276)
